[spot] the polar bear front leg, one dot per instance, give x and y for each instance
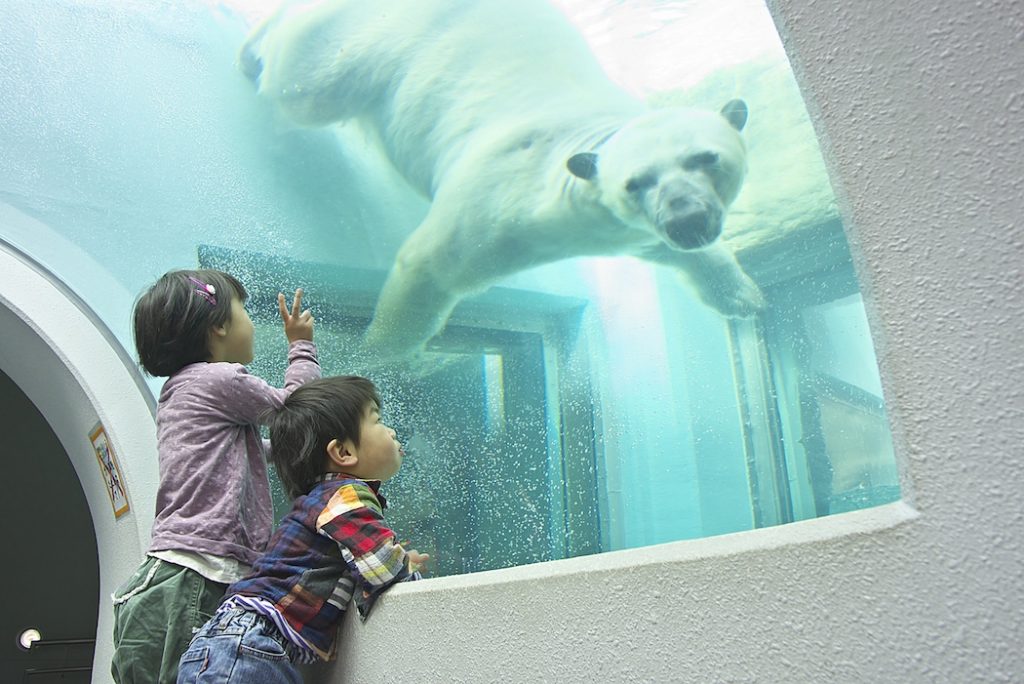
(716, 276)
(442, 261)
(412, 308)
(457, 251)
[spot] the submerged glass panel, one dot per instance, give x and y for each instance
(579, 396)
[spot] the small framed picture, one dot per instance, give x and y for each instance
(110, 470)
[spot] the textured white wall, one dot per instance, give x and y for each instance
(919, 105)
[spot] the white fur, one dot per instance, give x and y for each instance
(480, 104)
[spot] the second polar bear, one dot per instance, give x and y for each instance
(499, 113)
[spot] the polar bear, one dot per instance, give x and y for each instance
(497, 111)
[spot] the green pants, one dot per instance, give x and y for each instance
(156, 612)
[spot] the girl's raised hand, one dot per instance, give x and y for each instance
(297, 326)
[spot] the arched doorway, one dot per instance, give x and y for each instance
(61, 365)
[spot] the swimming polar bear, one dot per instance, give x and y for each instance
(498, 112)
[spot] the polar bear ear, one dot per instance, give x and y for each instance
(735, 112)
(583, 165)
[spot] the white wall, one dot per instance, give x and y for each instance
(919, 105)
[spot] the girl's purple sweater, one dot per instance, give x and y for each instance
(214, 496)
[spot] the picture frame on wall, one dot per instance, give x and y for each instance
(110, 470)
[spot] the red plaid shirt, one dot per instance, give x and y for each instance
(333, 545)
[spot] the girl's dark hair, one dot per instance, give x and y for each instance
(313, 415)
(173, 318)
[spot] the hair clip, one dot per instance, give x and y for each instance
(205, 290)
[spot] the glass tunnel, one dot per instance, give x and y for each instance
(585, 404)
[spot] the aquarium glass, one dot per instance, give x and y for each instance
(577, 407)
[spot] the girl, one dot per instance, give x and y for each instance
(213, 507)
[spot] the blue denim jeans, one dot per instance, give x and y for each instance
(238, 646)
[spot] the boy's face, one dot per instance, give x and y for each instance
(379, 453)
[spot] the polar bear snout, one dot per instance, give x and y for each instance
(693, 230)
(687, 217)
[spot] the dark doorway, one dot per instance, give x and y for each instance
(52, 566)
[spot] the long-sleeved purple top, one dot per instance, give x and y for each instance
(214, 496)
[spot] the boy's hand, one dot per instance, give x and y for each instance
(297, 326)
(417, 560)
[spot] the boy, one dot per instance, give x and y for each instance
(331, 452)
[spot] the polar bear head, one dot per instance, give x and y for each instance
(674, 171)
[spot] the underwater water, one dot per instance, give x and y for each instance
(586, 405)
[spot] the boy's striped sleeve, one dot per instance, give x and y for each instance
(353, 518)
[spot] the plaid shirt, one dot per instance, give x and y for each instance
(331, 546)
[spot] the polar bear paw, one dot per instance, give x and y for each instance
(735, 295)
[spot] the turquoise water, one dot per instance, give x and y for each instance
(584, 406)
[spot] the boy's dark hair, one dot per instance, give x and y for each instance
(173, 318)
(313, 415)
